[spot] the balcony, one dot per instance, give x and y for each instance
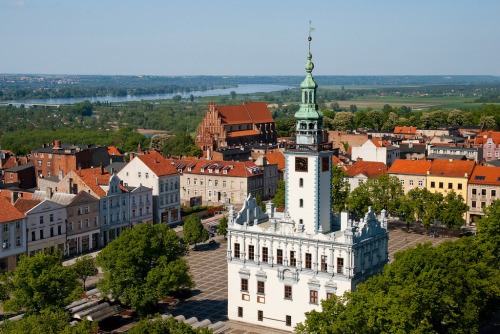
(292, 146)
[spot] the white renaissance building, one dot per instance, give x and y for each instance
(280, 265)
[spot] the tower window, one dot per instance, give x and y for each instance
(325, 164)
(301, 203)
(301, 182)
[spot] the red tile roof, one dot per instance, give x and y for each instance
(94, 178)
(113, 151)
(380, 143)
(371, 169)
(11, 162)
(158, 164)
(24, 204)
(482, 137)
(276, 158)
(242, 133)
(454, 168)
(251, 112)
(486, 175)
(8, 212)
(232, 168)
(418, 167)
(405, 130)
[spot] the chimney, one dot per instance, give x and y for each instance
(48, 190)
(57, 144)
(209, 154)
(450, 160)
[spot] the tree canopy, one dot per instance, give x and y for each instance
(279, 198)
(222, 226)
(144, 264)
(84, 268)
(340, 189)
(181, 144)
(193, 230)
(40, 282)
(47, 322)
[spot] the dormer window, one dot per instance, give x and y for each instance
(225, 171)
(138, 174)
(202, 169)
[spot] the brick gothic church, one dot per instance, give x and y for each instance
(240, 125)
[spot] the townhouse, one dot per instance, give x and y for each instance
(376, 150)
(411, 173)
(447, 175)
(483, 188)
(12, 235)
(361, 171)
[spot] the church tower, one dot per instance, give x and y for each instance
(308, 188)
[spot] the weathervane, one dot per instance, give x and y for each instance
(311, 29)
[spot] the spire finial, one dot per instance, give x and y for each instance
(311, 29)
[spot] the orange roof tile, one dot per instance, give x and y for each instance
(482, 137)
(242, 133)
(94, 178)
(8, 193)
(232, 168)
(371, 169)
(11, 162)
(401, 166)
(276, 158)
(113, 151)
(486, 175)
(24, 204)
(455, 168)
(8, 212)
(405, 130)
(380, 143)
(251, 112)
(158, 164)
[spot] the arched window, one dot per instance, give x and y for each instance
(301, 203)
(310, 97)
(303, 126)
(301, 182)
(305, 97)
(311, 126)
(301, 221)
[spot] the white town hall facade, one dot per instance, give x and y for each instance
(281, 265)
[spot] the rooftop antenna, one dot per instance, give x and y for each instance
(311, 29)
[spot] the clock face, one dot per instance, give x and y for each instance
(300, 164)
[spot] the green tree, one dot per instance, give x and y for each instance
(340, 189)
(260, 203)
(343, 120)
(385, 192)
(177, 98)
(452, 210)
(193, 230)
(233, 94)
(375, 118)
(488, 228)
(392, 121)
(181, 144)
(222, 226)
(359, 200)
(84, 268)
(156, 325)
(279, 198)
(41, 282)
(353, 108)
(143, 264)
(48, 321)
(489, 122)
(433, 204)
(455, 117)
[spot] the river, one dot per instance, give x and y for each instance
(241, 89)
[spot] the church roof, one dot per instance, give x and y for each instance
(251, 112)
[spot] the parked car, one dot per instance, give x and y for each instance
(214, 228)
(211, 234)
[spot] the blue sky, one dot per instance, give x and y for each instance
(253, 37)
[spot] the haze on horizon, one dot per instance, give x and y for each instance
(223, 37)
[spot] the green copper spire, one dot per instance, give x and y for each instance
(309, 118)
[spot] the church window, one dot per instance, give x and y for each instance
(301, 182)
(308, 260)
(251, 252)
(265, 255)
(313, 296)
(260, 287)
(340, 265)
(236, 250)
(288, 321)
(288, 292)
(260, 315)
(244, 284)
(301, 203)
(324, 265)
(279, 256)
(293, 260)
(240, 312)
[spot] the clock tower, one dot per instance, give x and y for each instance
(308, 188)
